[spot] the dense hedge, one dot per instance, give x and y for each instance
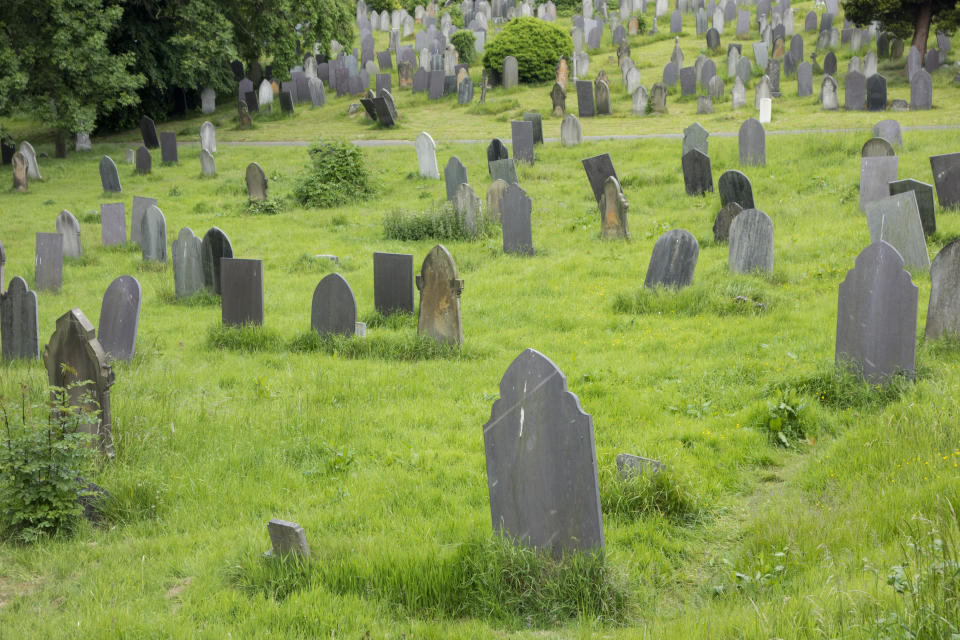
(464, 42)
(537, 46)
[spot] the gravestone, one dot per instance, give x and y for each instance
(515, 211)
(427, 156)
(695, 137)
(697, 175)
(585, 98)
(69, 229)
(214, 247)
(440, 289)
(19, 325)
(541, 460)
(943, 312)
(673, 260)
(286, 102)
(144, 161)
(658, 98)
(744, 71)
(494, 199)
(753, 144)
(671, 74)
(721, 224)
(454, 175)
(168, 147)
(334, 308)
(613, 210)
(393, 282)
(75, 359)
(675, 21)
(828, 94)
(630, 466)
(30, 155)
(465, 91)
(140, 206)
(421, 80)
(537, 121)
(504, 170)
(762, 92)
(243, 114)
(559, 99)
(208, 166)
(688, 81)
(241, 300)
(186, 256)
(751, 242)
(148, 131)
(876, 93)
(318, 96)
(570, 132)
(855, 91)
(522, 132)
(877, 316)
(921, 91)
(640, 101)
(153, 235)
(804, 80)
(119, 317)
(83, 142)
(109, 176)
(810, 22)
(19, 165)
(510, 77)
(760, 54)
(385, 108)
(875, 147)
(287, 539)
(924, 195)
(896, 220)
(598, 169)
(256, 182)
(713, 39)
(466, 203)
(946, 178)
(889, 130)
(830, 64)
(932, 61)
(208, 137)
(208, 100)
(496, 150)
(113, 224)
(875, 174)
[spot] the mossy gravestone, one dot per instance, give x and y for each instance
(19, 326)
(541, 460)
(613, 210)
(440, 290)
(119, 318)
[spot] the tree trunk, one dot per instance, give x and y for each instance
(921, 28)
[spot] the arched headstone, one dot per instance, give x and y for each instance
(119, 318)
(334, 308)
(734, 186)
(751, 242)
(753, 143)
(69, 228)
(440, 288)
(215, 245)
(427, 156)
(19, 325)
(109, 176)
(153, 235)
(256, 182)
(673, 260)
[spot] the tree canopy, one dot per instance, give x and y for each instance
(906, 18)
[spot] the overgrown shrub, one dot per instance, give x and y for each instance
(389, 5)
(337, 175)
(464, 42)
(44, 457)
(786, 421)
(439, 222)
(537, 46)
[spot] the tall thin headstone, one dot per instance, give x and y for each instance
(119, 318)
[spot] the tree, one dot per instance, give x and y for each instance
(905, 17)
(55, 64)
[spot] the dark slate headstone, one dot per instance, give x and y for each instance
(522, 132)
(465, 91)
(504, 170)
(671, 74)
(153, 235)
(585, 99)
(113, 224)
(109, 176)
(385, 108)
(19, 325)
(697, 176)
(751, 242)
(368, 106)
(144, 161)
(946, 178)
(334, 308)
(598, 169)
(876, 174)
(924, 195)
(877, 316)
(688, 81)
(855, 91)
(721, 224)
(420, 80)
(286, 102)
(186, 254)
(734, 186)
(876, 93)
(241, 299)
(440, 288)
(393, 282)
(896, 220)
(673, 260)
(496, 150)
(713, 39)
(215, 246)
(119, 317)
(804, 80)
(168, 146)
(148, 130)
(943, 312)
(541, 460)
(515, 210)
(384, 60)
(436, 84)
(454, 174)
(251, 100)
(537, 120)
(753, 143)
(830, 64)
(875, 147)
(48, 264)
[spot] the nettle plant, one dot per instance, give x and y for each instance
(45, 454)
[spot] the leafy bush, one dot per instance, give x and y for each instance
(537, 46)
(464, 42)
(337, 175)
(389, 5)
(269, 207)
(44, 456)
(440, 222)
(786, 421)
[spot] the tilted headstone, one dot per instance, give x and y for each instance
(734, 186)
(946, 178)
(541, 460)
(19, 325)
(896, 220)
(943, 312)
(598, 169)
(673, 260)
(516, 208)
(440, 289)
(48, 262)
(187, 261)
(241, 300)
(695, 137)
(109, 176)
(144, 161)
(751, 242)
(522, 132)
(875, 174)
(877, 316)
(570, 131)
(33, 169)
(494, 199)
(393, 282)
(875, 147)
(613, 210)
(148, 131)
(334, 308)
(753, 143)
(454, 174)
(140, 206)
(427, 156)
(256, 182)
(153, 235)
(287, 539)
(924, 195)
(721, 224)
(215, 246)
(119, 317)
(697, 175)
(889, 130)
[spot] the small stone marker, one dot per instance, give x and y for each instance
(673, 260)
(153, 235)
(516, 208)
(697, 175)
(75, 344)
(393, 282)
(119, 317)
(113, 224)
(630, 466)
(287, 538)
(598, 169)
(875, 175)
(241, 300)
(541, 460)
(144, 161)
(187, 261)
(522, 132)
(570, 132)
(48, 263)
(140, 206)
(496, 150)
(896, 221)
(943, 312)
(109, 176)
(734, 186)
(168, 147)
(924, 195)
(946, 178)
(876, 147)
(877, 316)
(427, 156)
(19, 325)
(440, 289)
(334, 308)
(256, 182)
(19, 164)
(753, 143)
(215, 245)
(828, 94)
(454, 175)
(751, 242)
(494, 198)
(613, 210)
(721, 224)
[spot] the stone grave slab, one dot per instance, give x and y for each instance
(186, 255)
(943, 311)
(751, 242)
(734, 186)
(153, 235)
(697, 175)
(334, 307)
(876, 174)
(946, 178)
(673, 260)
(48, 262)
(119, 318)
(241, 300)
(598, 169)
(753, 143)
(393, 282)
(515, 210)
(113, 224)
(721, 224)
(896, 221)
(19, 324)
(109, 176)
(454, 174)
(924, 195)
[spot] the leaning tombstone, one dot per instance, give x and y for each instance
(695, 137)
(144, 161)
(896, 221)
(946, 178)
(256, 182)
(334, 308)
(943, 312)
(109, 176)
(751, 242)
(721, 224)
(570, 132)
(69, 229)
(697, 175)
(427, 156)
(629, 466)
(673, 260)
(734, 186)
(516, 208)
(753, 144)
(613, 210)
(876, 174)
(393, 282)
(19, 325)
(33, 169)
(877, 316)
(75, 360)
(287, 539)
(187, 261)
(215, 246)
(494, 199)
(541, 461)
(924, 194)
(598, 169)
(148, 131)
(119, 317)
(440, 289)
(454, 175)
(153, 236)
(241, 301)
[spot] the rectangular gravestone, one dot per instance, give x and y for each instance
(436, 84)
(287, 538)
(168, 146)
(876, 174)
(113, 224)
(393, 282)
(585, 98)
(946, 178)
(924, 195)
(504, 170)
(522, 132)
(140, 207)
(896, 220)
(241, 291)
(48, 263)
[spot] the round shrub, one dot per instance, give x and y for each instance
(537, 46)
(464, 41)
(380, 5)
(336, 175)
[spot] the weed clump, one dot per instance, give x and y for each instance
(787, 421)
(662, 493)
(736, 297)
(248, 338)
(268, 207)
(841, 388)
(439, 222)
(406, 347)
(337, 175)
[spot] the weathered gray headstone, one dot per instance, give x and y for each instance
(427, 156)
(875, 147)
(695, 137)
(688, 81)
(208, 165)
(697, 175)
(208, 101)
(804, 79)
(19, 325)
(629, 466)
(570, 132)
(393, 282)
(896, 220)
(256, 182)
(585, 107)
(753, 143)
(598, 169)
(673, 260)
(875, 174)
(48, 263)
(558, 97)
(494, 198)
(334, 308)
(510, 73)
(889, 130)
(924, 195)
(541, 460)
(921, 91)
(440, 288)
(186, 256)
(515, 211)
(613, 210)
(69, 228)
(33, 169)
(215, 245)
(113, 224)
(119, 317)
(721, 224)
(153, 235)
(109, 177)
(946, 178)
(522, 132)
(658, 98)
(504, 170)
(640, 101)
(208, 137)
(144, 160)
(855, 91)
(877, 316)
(241, 300)
(168, 147)
(467, 205)
(751, 242)
(454, 174)
(140, 206)
(828, 94)
(734, 186)
(943, 312)
(287, 539)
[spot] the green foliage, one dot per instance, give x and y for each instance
(439, 222)
(386, 5)
(901, 17)
(456, 16)
(409, 346)
(337, 175)
(786, 421)
(44, 456)
(537, 46)
(840, 388)
(247, 339)
(464, 41)
(269, 207)
(740, 296)
(662, 493)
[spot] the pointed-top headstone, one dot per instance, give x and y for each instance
(943, 312)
